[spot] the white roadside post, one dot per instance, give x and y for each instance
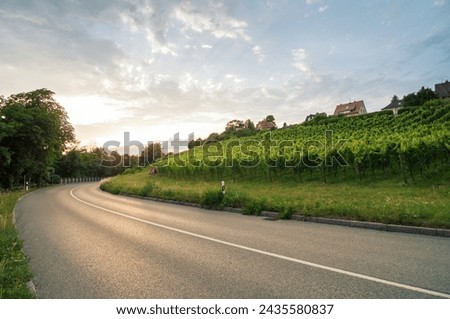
(223, 187)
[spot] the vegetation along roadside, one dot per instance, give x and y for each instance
(15, 272)
(386, 201)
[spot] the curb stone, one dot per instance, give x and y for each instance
(31, 287)
(440, 232)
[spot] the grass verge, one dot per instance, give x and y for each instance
(389, 201)
(15, 272)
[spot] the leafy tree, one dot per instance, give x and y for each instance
(234, 125)
(419, 98)
(70, 164)
(213, 137)
(194, 143)
(35, 131)
(270, 118)
(425, 95)
(394, 99)
(250, 125)
(151, 153)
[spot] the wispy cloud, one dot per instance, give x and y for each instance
(323, 8)
(299, 61)
(152, 19)
(212, 19)
(257, 51)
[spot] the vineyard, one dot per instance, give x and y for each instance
(408, 146)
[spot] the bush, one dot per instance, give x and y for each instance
(212, 200)
(253, 207)
(286, 212)
(235, 199)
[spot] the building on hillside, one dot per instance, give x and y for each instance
(354, 108)
(394, 106)
(265, 125)
(442, 89)
(311, 117)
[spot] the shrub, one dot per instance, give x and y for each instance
(286, 212)
(235, 199)
(212, 200)
(253, 207)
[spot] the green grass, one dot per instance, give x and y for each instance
(424, 203)
(14, 269)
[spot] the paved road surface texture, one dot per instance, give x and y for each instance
(84, 243)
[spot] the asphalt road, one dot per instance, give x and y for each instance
(84, 243)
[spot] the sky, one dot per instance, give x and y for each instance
(154, 68)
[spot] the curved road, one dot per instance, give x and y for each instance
(84, 243)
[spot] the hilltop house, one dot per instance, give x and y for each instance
(351, 109)
(265, 125)
(394, 106)
(442, 89)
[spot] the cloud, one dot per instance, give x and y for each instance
(257, 51)
(299, 58)
(153, 19)
(437, 41)
(45, 45)
(211, 18)
(323, 8)
(439, 3)
(332, 50)
(299, 54)
(234, 78)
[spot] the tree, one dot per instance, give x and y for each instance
(151, 153)
(270, 118)
(213, 137)
(419, 98)
(35, 132)
(195, 143)
(70, 164)
(234, 125)
(425, 95)
(6, 129)
(250, 125)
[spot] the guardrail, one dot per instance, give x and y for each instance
(63, 181)
(74, 180)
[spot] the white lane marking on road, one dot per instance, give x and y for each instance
(262, 252)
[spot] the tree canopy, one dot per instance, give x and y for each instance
(34, 132)
(419, 98)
